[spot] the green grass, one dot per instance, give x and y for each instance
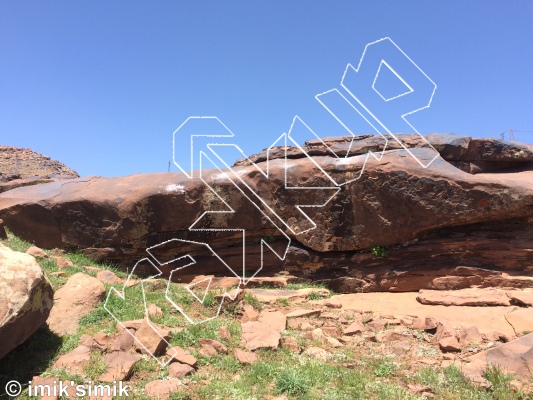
(385, 368)
(282, 302)
(306, 285)
(252, 300)
(292, 382)
(317, 295)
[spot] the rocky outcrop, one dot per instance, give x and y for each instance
(24, 167)
(465, 220)
(26, 298)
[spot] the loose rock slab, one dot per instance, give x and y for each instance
(119, 366)
(302, 313)
(74, 361)
(465, 297)
(273, 319)
(178, 370)
(182, 356)
(271, 295)
(80, 295)
(161, 389)
(153, 337)
(245, 357)
(25, 298)
(256, 335)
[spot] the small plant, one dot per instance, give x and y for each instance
(385, 369)
(427, 351)
(282, 302)
(252, 300)
(314, 295)
(96, 367)
(268, 238)
(419, 334)
(292, 383)
(209, 300)
(379, 251)
(497, 377)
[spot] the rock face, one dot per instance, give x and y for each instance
(465, 220)
(26, 298)
(23, 167)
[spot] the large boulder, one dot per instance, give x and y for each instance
(26, 298)
(395, 226)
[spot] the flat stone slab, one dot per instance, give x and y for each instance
(256, 335)
(302, 313)
(271, 295)
(464, 297)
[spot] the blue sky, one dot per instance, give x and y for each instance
(101, 86)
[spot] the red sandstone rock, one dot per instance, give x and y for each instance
(249, 314)
(389, 336)
(25, 298)
(521, 320)
(36, 252)
(219, 347)
(154, 311)
(465, 297)
(119, 366)
(245, 357)
(161, 389)
(355, 327)
(208, 351)
(224, 333)
(439, 204)
(514, 358)
(124, 341)
(62, 262)
(108, 277)
(273, 319)
(302, 313)
(182, 356)
(77, 298)
(469, 335)
(290, 343)
(178, 370)
(74, 361)
(318, 353)
(449, 343)
(153, 337)
(256, 335)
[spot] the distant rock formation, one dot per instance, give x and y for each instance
(23, 167)
(467, 220)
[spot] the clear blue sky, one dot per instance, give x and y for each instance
(102, 85)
